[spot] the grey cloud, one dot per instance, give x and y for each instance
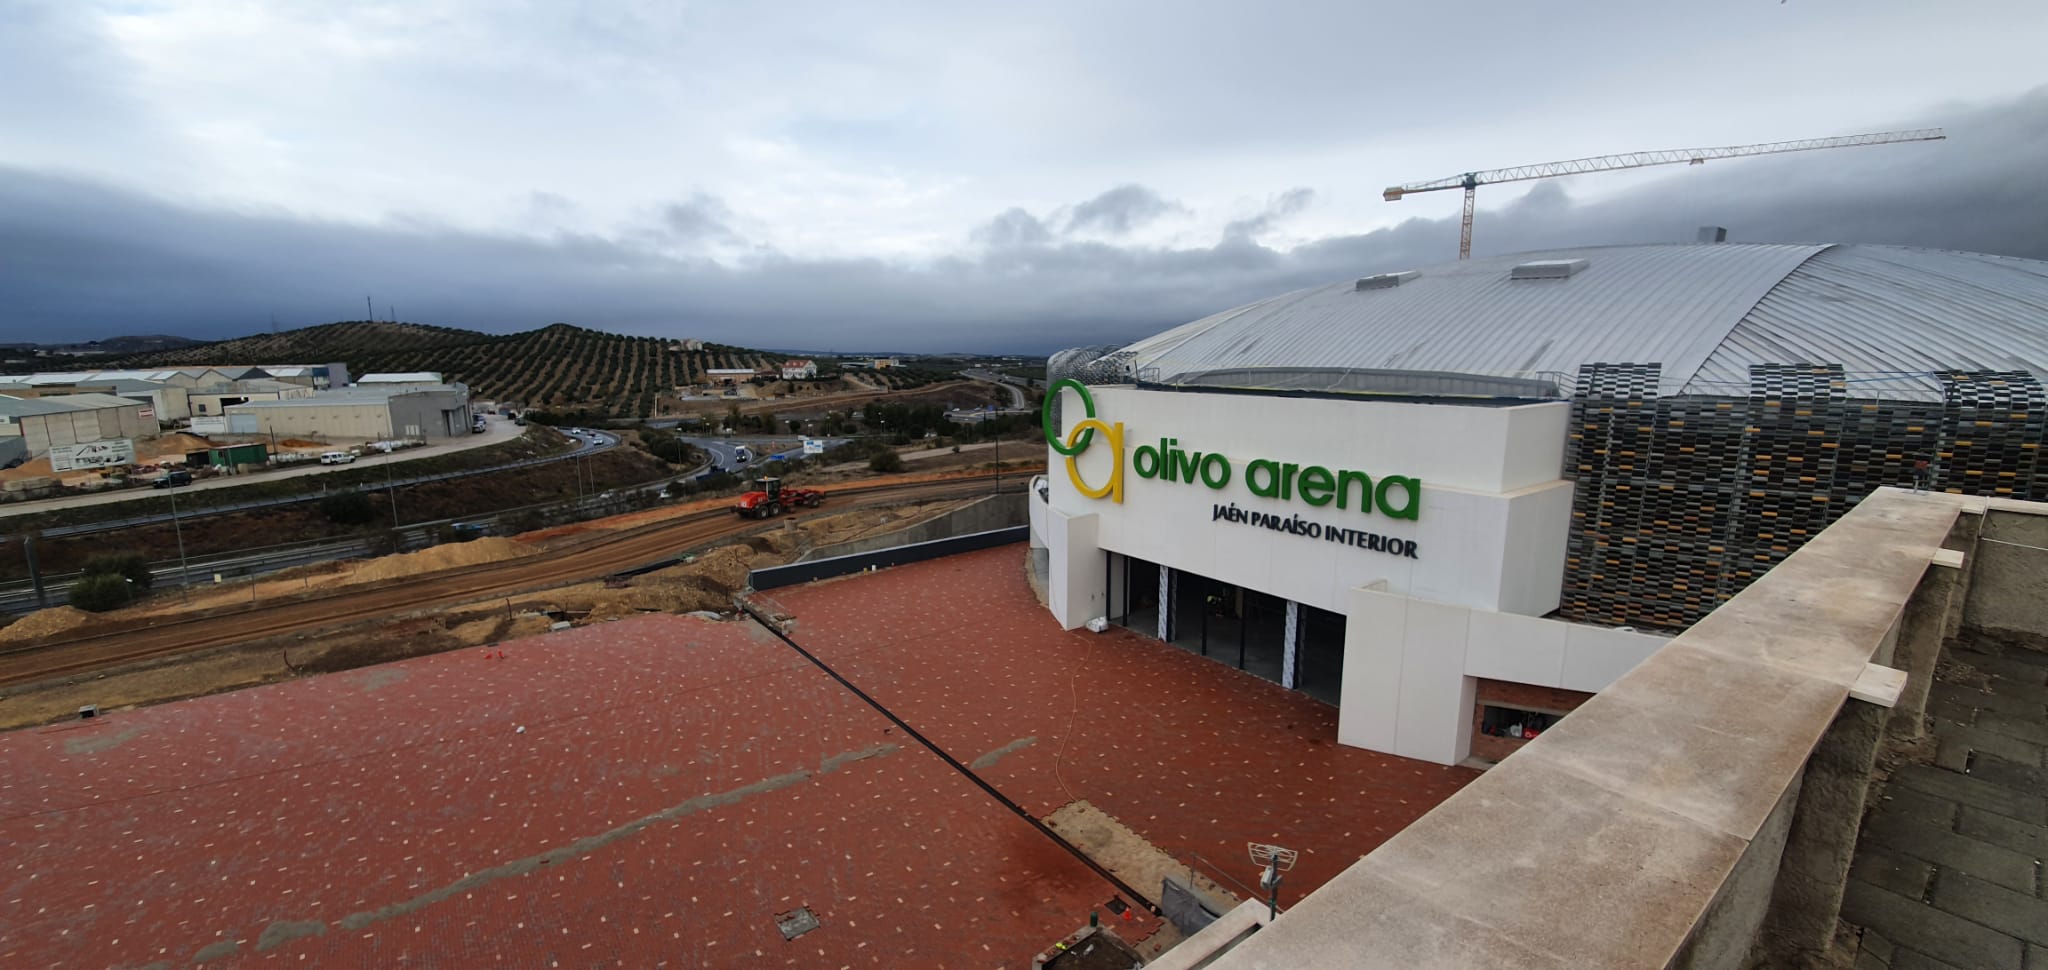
(1013, 229)
(701, 218)
(1120, 210)
(79, 259)
(1277, 208)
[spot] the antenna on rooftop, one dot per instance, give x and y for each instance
(1272, 860)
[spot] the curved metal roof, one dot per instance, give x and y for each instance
(1889, 315)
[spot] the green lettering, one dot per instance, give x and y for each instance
(1184, 466)
(1287, 479)
(1410, 487)
(1138, 461)
(1316, 485)
(1215, 471)
(1346, 479)
(1251, 478)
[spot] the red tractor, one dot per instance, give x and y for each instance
(769, 498)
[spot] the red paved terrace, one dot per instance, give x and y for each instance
(1195, 756)
(677, 785)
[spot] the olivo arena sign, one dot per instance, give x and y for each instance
(1317, 486)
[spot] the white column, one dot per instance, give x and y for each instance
(1165, 602)
(1291, 641)
(1076, 571)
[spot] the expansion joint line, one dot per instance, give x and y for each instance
(954, 763)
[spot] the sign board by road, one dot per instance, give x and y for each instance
(92, 454)
(814, 446)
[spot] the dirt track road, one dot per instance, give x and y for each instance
(601, 555)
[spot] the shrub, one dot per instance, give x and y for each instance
(348, 508)
(886, 461)
(100, 593)
(129, 566)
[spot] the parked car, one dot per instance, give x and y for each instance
(172, 479)
(337, 458)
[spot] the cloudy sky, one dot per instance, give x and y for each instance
(940, 176)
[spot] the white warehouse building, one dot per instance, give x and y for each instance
(1457, 501)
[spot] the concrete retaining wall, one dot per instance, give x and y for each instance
(986, 515)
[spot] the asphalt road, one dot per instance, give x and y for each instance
(725, 456)
(1017, 399)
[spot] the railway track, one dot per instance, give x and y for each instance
(602, 555)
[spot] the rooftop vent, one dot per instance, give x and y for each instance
(1547, 269)
(1386, 281)
(1713, 234)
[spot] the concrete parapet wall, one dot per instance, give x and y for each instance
(985, 515)
(2008, 596)
(1712, 792)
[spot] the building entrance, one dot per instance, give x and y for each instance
(1244, 628)
(1134, 594)
(1230, 624)
(1319, 658)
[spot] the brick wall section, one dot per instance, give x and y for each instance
(1522, 697)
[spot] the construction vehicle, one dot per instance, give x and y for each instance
(769, 498)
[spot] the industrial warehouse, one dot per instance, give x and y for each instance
(1456, 501)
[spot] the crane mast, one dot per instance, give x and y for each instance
(1471, 181)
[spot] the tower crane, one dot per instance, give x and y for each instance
(1470, 181)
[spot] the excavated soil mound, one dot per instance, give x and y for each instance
(301, 443)
(450, 556)
(724, 568)
(43, 623)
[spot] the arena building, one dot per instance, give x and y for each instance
(1456, 501)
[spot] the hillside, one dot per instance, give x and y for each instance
(556, 367)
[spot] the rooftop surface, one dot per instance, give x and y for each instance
(1891, 315)
(678, 784)
(1197, 757)
(1947, 873)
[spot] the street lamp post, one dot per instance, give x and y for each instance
(35, 573)
(391, 488)
(184, 567)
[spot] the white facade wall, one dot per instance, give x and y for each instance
(1490, 534)
(1411, 666)
(370, 421)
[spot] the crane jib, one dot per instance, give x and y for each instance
(1609, 163)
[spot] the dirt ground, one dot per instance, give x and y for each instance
(705, 583)
(1140, 864)
(162, 450)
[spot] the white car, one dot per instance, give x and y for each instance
(336, 458)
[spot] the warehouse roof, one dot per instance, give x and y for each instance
(21, 407)
(1523, 325)
(409, 377)
(91, 402)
